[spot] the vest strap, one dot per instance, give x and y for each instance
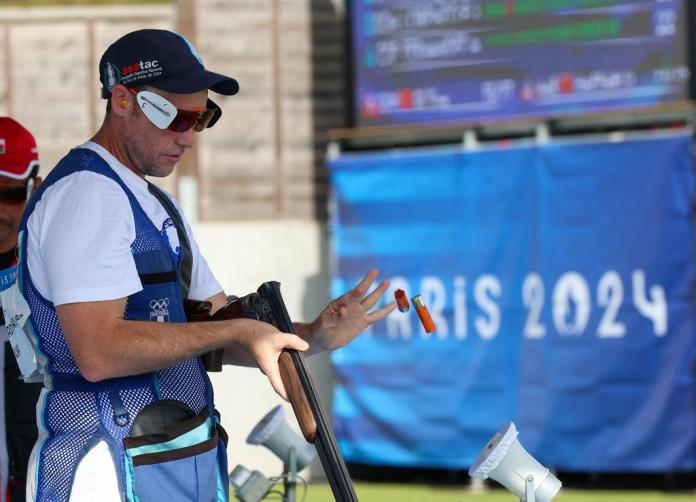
(121, 417)
(186, 256)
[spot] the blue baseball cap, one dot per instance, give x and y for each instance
(161, 59)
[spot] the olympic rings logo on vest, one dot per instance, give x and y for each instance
(160, 311)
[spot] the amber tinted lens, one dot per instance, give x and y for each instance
(13, 195)
(217, 113)
(184, 120)
(203, 120)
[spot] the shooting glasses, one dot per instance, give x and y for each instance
(16, 195)
(164, 115)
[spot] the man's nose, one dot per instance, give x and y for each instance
(186, 138)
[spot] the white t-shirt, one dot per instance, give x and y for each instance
(80, 233)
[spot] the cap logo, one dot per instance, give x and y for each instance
(141, 65)
(142, 70)
(2, 145)
(112, 77)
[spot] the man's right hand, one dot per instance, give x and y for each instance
(264, 343)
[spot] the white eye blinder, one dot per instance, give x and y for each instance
(156, 108)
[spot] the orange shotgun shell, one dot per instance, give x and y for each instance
(423, 313)
(402, 300)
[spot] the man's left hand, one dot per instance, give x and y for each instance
(348, 315)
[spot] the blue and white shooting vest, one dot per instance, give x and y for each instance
(185, 464)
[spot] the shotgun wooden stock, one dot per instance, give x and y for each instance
(297, 397)
(199, 311)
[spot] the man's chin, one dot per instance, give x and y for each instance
(162, 170)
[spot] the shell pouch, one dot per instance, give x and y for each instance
(180, 462)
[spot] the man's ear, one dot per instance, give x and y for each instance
(121, 100)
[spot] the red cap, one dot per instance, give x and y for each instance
(18, 153)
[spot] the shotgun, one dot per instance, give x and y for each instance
(267, 305)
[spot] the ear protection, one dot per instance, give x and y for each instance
(124, 102)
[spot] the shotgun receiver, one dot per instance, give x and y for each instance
(267, 305)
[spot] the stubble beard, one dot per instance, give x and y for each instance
(144, 161)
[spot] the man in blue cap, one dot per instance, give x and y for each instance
(106, 262)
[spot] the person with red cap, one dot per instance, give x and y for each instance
(107, 261)
(19, 167)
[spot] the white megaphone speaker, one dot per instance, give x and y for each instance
(276, 435)
(505, 460)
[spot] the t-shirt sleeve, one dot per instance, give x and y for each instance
(203, 282)
(80, 241)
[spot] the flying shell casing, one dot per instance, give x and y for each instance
(423, 314)
(402, 300)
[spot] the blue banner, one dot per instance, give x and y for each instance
(560, 278)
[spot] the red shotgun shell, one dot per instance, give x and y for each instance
(401, 300)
